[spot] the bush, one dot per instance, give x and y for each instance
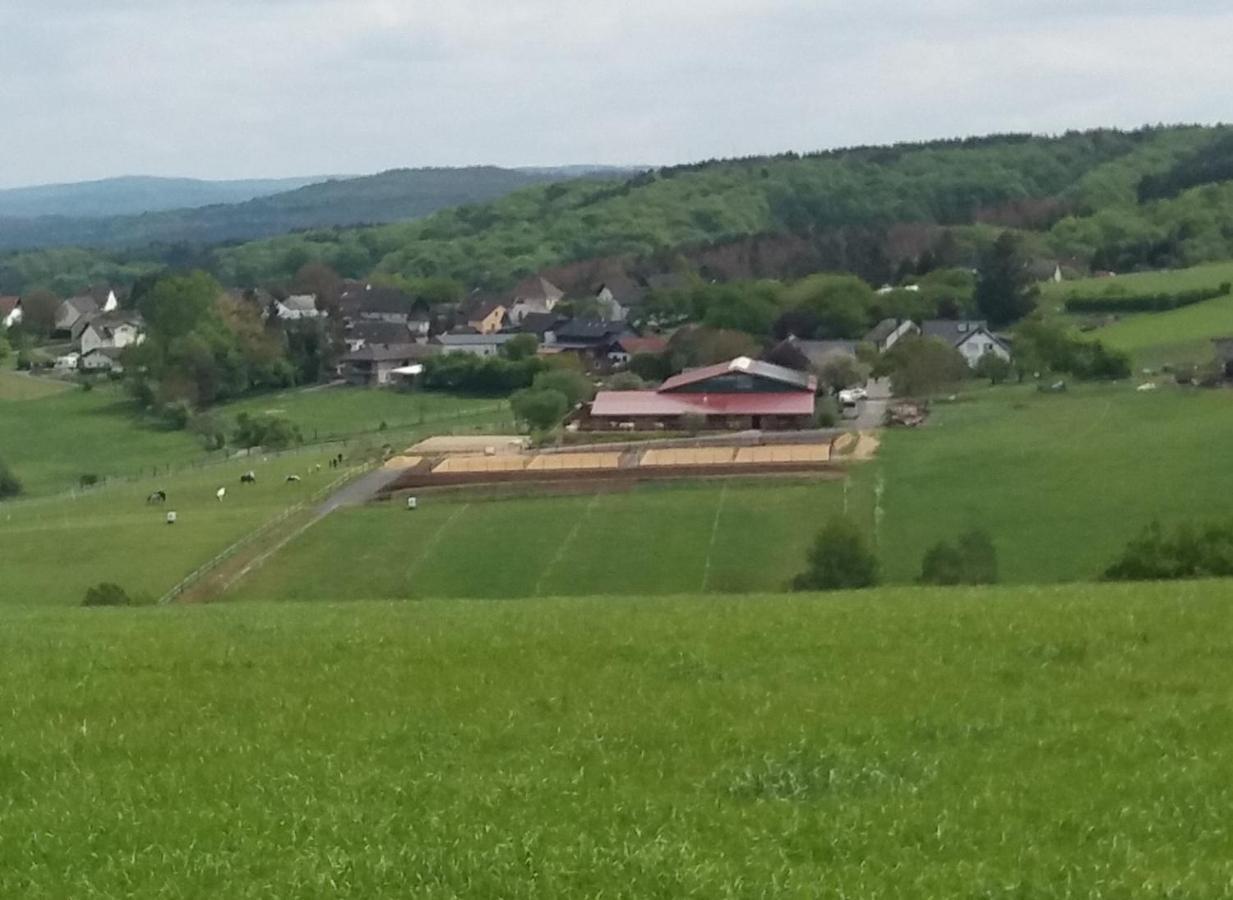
(106, 594)
(1190, 552)
(210, 429)
(919, 366)
(826, 414)
(994, 367)
(88, 480)
(693, 422)
(625, 381)
(270, 432)
(1120, 301)
(540, 408)
(573, 385)
(10, 486)
(972, 560)
(839, 559)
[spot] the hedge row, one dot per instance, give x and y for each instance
(1131, 303)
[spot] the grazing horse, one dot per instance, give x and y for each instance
(248, 478)
(157, 497)
(292, 479)
(220, 494)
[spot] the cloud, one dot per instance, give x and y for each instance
(224, 88)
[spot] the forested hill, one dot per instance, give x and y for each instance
(1107, 199)
(392, 196)
(131, 195)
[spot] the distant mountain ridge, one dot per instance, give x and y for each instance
(392, 196)
(135, 194)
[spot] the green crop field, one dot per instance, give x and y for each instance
(656, 539)
(1157, 339)
(1063, 742)
(52, 441)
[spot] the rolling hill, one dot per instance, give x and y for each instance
(387, 197)
(134, 194)
(1152, 198)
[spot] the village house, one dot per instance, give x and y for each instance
(487, 318)
(373, 303)
(889, 332)
(114, 330)
(542, 325)
(535, 295)
(376, 365)
(590, 339)
(795, 353)
(10, 312)
(361, 334)
(972, 339)
(473, 343)
(71, 312)
(297, 307)
(626, 347)
(740, 394)
(102, 359)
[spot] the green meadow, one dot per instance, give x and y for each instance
(1060, 742)
(1157, 339)
(51, 436)
(656, 539)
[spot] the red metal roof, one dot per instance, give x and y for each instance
(743, 364)
(631, 404)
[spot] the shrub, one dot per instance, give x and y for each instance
(540, 408)
(1120, 301)
(995, 368)
(838, 559)
(10, 486)
(826, 414)
(88, 480)
(625, 381)
(210, 429)
(573, 385)
(971, 560)
(106, 594)
(1190, 552)
(693, 422)
(919, 366)
(271, 432)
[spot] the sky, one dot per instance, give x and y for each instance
(262, 88)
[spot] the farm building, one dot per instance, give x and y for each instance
(475, 344)
(10, 312)
(741, 393)
(626, 347)
(888, 332)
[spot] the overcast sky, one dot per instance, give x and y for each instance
(241, 88)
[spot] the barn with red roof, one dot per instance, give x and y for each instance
(741, 393)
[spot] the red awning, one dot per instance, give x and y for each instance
(631, 404)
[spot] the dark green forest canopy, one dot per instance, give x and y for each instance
(1107, 198)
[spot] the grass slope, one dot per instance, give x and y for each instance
(1065, 742)
(1060, 481)
(1156, 339)
(53, 440)
(687, 538)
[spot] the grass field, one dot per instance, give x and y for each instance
(1157, 339)
(15, 386)
(1068, 742)
(655, 539)
(55, 548)
(51, 440)
(1060, 481)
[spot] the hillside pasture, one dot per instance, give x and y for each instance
(18, 386)
(53, 440)
(934, 743)
(1156, 339)
(54, 548)
(1060, 481)
(720, 537)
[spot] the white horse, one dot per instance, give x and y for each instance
(220, 494)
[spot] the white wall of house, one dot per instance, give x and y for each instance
(978, 343)
(13, 318)
(123, 335)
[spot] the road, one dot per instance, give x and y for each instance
(872, 411)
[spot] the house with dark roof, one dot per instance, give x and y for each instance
(889, 332)
(10, 312)
(542, 325)
(113, 330)
(739, 394)
(298, 306)
(590, 339)
(71, 312)
(375, 303)
(363, 333)
(102, 359)
(487, 318)
(376, 364)
(473, 342)
(972, 338)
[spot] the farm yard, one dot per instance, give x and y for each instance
(1069, 741)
